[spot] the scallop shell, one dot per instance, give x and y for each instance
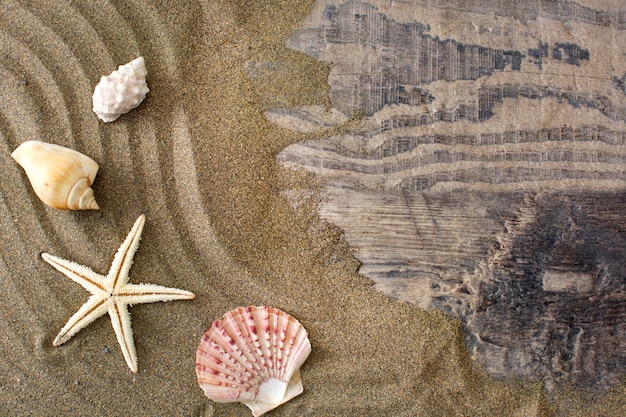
(61, 177)
(253, 355)
(121, 91)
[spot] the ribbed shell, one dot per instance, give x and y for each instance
(251, 347)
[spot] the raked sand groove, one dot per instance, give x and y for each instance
(53, 55)
(199, 159)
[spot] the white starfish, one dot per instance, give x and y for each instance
(113, 294)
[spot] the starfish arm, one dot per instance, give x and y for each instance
(149, 293)
(123, 260)
(94, 308)
(113, 294)
(120, 318)
(85, 277)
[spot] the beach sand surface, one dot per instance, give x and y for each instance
(198, 158)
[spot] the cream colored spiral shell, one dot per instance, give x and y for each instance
(61, 177)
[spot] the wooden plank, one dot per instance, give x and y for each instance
(486, 176)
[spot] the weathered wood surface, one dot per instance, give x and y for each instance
(487, 176)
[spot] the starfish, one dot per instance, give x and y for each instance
(113, 294)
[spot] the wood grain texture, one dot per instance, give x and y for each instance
(486, 173)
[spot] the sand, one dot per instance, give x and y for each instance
(198, 158)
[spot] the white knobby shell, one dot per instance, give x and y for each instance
(61, 177)
(253, 355)
(121, 91)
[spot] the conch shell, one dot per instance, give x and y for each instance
(61, 177)
(121, 91)
(253, 355)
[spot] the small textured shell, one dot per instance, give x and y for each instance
(121, 91)
(253, 355)
(61, 177)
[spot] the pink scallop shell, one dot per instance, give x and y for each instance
(253, 355)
